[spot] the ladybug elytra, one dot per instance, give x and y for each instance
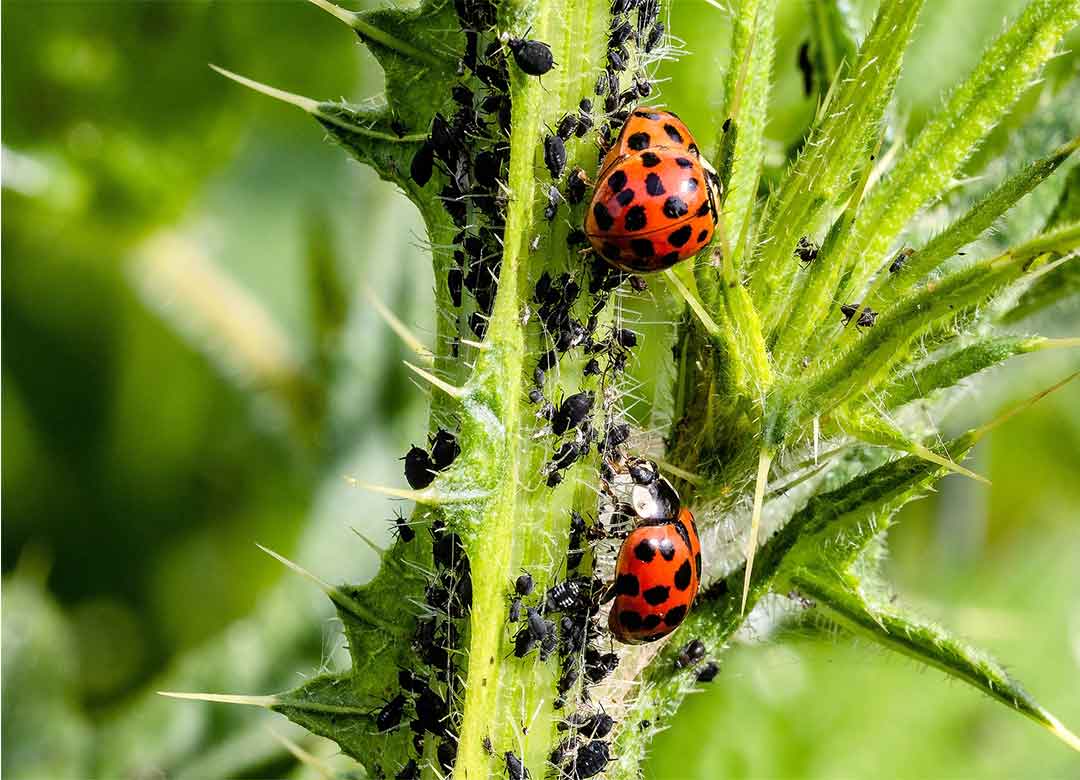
(654, 202)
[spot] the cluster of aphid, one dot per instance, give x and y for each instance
(807, 252)
(653, 205)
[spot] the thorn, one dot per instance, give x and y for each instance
(224, 698)
(382, 551)
(426, 497)
(315, 108)
(483, 346)
(399, 327)
(1057, 728)
(764, 461)
(320, 768)
(710, 325)
(978, 433)
(301, 102)
(336, 11)
(927, 454)
(340, 599)
(446, 387)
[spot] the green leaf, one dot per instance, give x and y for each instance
(853, 605)
(832, 41)
(747, 85)
(847, 125)
(922, 173)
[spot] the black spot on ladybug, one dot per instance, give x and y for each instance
(647, 115)
(703, 209)
(693, 149)
(644, 551)
(627, 585)
(702, 236)
(673, 133)
(681, 236)
(697, 565)
(642, 247)
(684, 162)
(669, 259)
(675, 615)
(638, 141)
(603, 217)
(653, 185)
(650, 622)
(657, 595)
(675, 207)
(617, 181)
(611, 252)
(683, 575)
(533, 57)
(635, 218)
(650, 160)
(630, 619)
(667, 549)
(625, 198)
(690, 185)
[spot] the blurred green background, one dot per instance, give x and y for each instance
(190, 366)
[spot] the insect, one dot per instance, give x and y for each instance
(408, 772)
(515, 769)
(591, 759)
(659, 564)
(690, 654)
(390, 715)
(708, 672)
(654, 202)
(867, 317)
(533, 57)
(419, 470)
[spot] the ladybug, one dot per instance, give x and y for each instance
(659, 566)
(654, 202)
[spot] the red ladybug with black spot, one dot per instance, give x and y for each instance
(655, 201)
(659, 567)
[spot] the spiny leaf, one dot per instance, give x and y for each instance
(747, 86)
(822, 174)
(885, 345)
(891, 286)
(846, 600)
(957, 365)
(924, 170)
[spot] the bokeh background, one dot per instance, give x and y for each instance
(190, 366)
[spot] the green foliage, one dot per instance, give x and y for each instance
(761, 377)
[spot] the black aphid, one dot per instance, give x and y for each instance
(625, 338)
(900, 260)
(656, 35)
(402, 528)
(690, 654)
(515, 769)
(411, 681)
(576, 186)
(408, 772)
(422, 163)
(419, 470)
(444, 448)
(591, 759)
(572, 412)
(554, 155)
(592, 368)
(533, 57)
(447, 754)
(389, 717)
(523, 586)
(576, 237)
(567, 126)
(806, 250)
(867, 317)
(454, 279)
(708, 672)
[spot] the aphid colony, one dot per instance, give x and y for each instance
(653, 189)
